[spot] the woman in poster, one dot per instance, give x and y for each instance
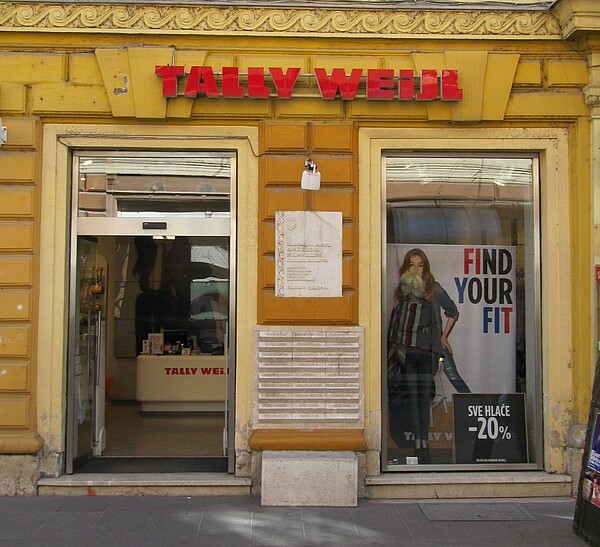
(416, 341)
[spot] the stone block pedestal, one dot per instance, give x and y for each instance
(309, 478)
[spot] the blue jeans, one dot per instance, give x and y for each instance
(420, 390)
(452, 374)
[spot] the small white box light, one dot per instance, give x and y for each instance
(311, 178)
(3, 133)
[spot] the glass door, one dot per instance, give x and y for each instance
(86, 352)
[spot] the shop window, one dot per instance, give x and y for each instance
(460, 311)
(148, 184)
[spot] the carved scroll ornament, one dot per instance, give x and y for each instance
(276, 21)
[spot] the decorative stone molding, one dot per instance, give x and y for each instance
(379, 23)
(592, 101)
(578, 18)
(20, 443)
(592, 95)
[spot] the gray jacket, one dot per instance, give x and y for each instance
(418, 322)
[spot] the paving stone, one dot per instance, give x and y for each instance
(475, 511)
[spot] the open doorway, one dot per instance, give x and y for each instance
(150, 363)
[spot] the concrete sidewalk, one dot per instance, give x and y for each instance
(228, 521)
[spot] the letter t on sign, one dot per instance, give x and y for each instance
(169, 76)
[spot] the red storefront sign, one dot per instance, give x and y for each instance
(381, 84)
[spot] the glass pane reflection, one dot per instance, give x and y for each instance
(460, 256)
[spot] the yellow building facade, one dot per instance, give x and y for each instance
(81, 80)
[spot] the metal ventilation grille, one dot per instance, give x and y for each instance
(309, 376)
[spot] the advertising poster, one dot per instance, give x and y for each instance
(586, 521)
(481, 280)
(591, 480)
(594, 458)
(490, 428)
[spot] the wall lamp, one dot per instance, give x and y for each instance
(3, 133)
(311, 178)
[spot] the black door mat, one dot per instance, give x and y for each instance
(154, 465)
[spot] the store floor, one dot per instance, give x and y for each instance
(129, 432)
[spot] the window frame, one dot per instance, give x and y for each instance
(533, 406)
(552, 144)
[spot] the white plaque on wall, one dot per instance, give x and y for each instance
(308, 254)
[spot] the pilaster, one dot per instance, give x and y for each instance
(580, 24)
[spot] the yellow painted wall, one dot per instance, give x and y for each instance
(67, 78)
(19, 163)
(284, 148)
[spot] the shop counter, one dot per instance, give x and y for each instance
(181, 383)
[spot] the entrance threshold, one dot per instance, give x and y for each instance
(145, 484)
(502, 484)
